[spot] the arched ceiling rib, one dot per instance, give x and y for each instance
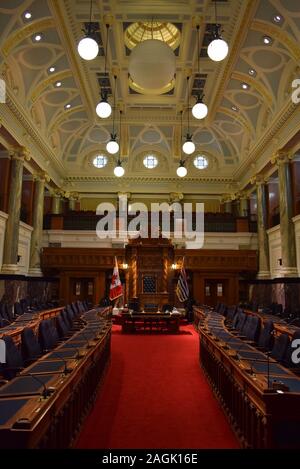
(236, 119)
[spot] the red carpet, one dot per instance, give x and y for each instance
(155, 395)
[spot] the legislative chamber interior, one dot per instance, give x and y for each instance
(149, 224)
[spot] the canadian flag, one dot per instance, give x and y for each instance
(116, 289)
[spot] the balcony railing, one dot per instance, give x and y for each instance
(213, 222)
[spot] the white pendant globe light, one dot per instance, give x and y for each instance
(88, 48)
(103, 108)
(119, 171)
(199, 110)
(188, 147)
(217, 49)
(181, 170)
(152, 65)
(112, 146)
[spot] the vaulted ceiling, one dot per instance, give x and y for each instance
(65, 139)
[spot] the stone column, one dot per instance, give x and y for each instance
(37, 234)
(122, 207)
(287, 229)
(56, 202)
(243, 205)
(10, 256)
(227, 203)
(73, 197)
(262, 226)
(5, 163)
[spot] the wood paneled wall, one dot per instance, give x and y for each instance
(204, 267)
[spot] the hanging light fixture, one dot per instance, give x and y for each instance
(218, 48)
(88, 48)
(119, 171)
(112, 146)
(199, 110)
(103, 108)
(188, 147)
(181, 170)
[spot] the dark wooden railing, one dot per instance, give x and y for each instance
(213, 222)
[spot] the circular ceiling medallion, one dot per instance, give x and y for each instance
(98, 135)
(151, 136)
(246, 100)
(71, 125)
(269, 62)
(37, 57)
(152, 65)
(231, 128)
(56, 97)
(203, 137)
(142, 31)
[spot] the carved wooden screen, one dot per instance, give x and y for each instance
(149, 284)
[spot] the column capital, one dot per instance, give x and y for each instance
(175, 197)
(124, 194)
(41, 176)
(281, 157)
(19, 153)
(73, 196)
(227, 198)
(242, 195)
(56, 193)
(259, 180)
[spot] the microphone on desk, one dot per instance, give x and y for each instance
(87, 341)
(46, 391)
(227, 342)
(89, 345)
(237, 356)
(291, 322)
(66, 369)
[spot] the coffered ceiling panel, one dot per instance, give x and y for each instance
(56, 91)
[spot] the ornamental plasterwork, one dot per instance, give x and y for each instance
(239, 138)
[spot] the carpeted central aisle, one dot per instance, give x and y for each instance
(155, 395)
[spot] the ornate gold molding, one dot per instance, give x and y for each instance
(38, 90)
(280, 120)
(236, 43)
(130, 179)
(281, 157)
(28, 30)
(29, 129)
(258, 180)
(278, 33)
(239, 118)
(254, 83)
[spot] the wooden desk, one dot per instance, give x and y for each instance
(32, 320)
(168, 323)
(261, 416)
(279, 325)
(28, 421)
